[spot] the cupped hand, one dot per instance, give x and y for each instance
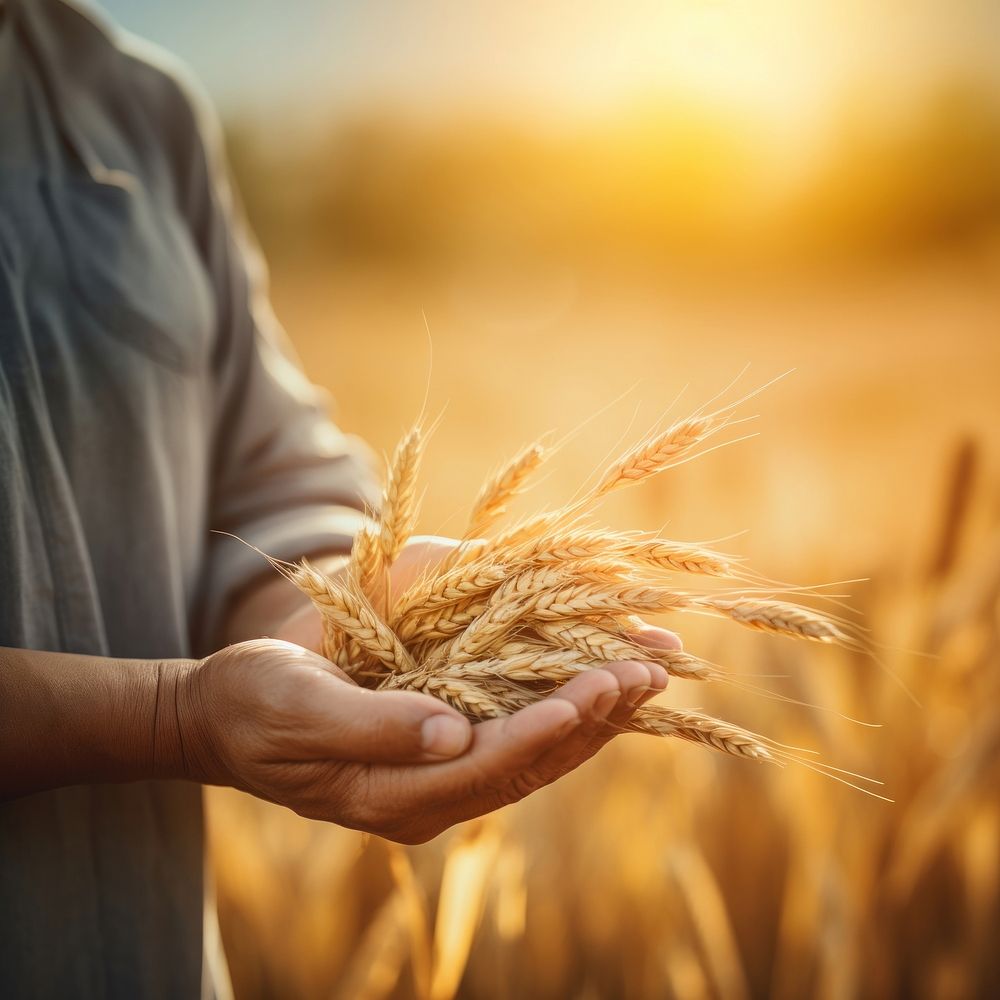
(281, 722)
(274, 718)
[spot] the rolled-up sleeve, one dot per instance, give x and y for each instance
(284, 478)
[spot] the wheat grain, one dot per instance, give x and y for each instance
(364, 577)
(561, 601)
(400, 505)
(642, 553)
(482, 549)
(777, 617)
(352, 613)
(464, 690)
(443, 597)
(470, 697)
(498, 491)
(524, 662)
(703, 729)
(364, 568)
(658, 452)
(502, 622)
(598, 644)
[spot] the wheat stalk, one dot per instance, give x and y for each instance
(342, 608)
(596, 643)
(658, 452)
(400, 505)
(642, 553)
(500, 489)
(697, 728)
(502, 622)
(777, 617)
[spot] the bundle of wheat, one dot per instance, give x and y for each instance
(504, 620)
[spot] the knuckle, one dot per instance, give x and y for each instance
(632, 673)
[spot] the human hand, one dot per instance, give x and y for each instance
(285, 724)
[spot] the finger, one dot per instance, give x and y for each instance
(634, 680)
(638, 681)
(503, 765)
(594, 695)
(653, 637)
(572, 753)
(504, 749)
(355, 723)
(659, 678)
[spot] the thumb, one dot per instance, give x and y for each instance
(391, 726)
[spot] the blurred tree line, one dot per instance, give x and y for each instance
(669, 181)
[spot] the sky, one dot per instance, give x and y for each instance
(787, 62)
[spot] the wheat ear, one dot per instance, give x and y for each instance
(777, 617)
(500, 489)
(344, 609)
(596, 643)
(697, 728)
(400, 505)
(658, 452)
(470, 697)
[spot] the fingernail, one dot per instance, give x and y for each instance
(605, 703)
(658, 675)
(568, 726)
(637, 694)
(444, 735)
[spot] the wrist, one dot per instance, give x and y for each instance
(177, 728)
(68, 719)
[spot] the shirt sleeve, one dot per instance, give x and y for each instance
(284, 478)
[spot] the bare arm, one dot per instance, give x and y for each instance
(70, 719)
(274, 719)
(280, 722)
(67, 718)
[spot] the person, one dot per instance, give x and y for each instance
(148, 401)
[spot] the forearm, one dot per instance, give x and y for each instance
(69, 719)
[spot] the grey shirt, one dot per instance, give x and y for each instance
(146, 397)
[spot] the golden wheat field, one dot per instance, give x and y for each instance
(604, 213)
(658, 870)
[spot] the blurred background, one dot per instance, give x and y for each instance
(599, 206)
